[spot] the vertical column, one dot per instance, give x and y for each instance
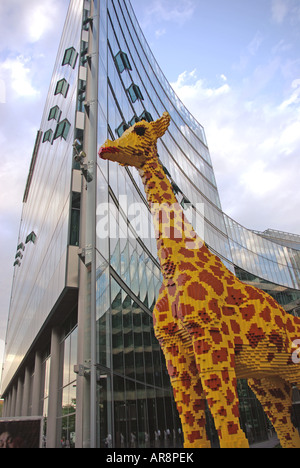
(6, 405)
(19, 397)
(86, 427)
(83, 348)
(8, 409)
(91, 140)
(36, 386)
(13, 402)
(26, 393)
(54, 385)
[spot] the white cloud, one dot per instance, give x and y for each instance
(160, 32)
(40, 19)
(189, 86)
(259, 180)
(255, 43)
(285, 10)
(26, 21)
(19, 76)
(174, 11)
(27, 29)
(294, 97)
(255, 147)
(279, 10)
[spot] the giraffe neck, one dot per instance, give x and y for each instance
(173, 231)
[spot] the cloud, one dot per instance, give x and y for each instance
(294, 98)
(283, 10)
(189, 85)
(18, 76)
(41, 17)
(255, 43)
(160, 32)
(173, 11)
(279, 10)
(254, 146)
(27, 29)
(27, 21)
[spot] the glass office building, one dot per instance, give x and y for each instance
(80, 348)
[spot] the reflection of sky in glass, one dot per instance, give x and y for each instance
(262, 257)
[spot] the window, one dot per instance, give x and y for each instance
(122, 62)
(62, 129)
(54, 113)
(146, 116)
(166, 171)
(62, 87)
(135, 93)
(48, 136)
(70, 57)
(31, 238)
(185, 203)
(121, 129)
(133, 121)
(176, 189)
(81, 95)
(75, 219)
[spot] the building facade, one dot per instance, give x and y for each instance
(80, 347)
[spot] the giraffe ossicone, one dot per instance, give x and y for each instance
(213, 329)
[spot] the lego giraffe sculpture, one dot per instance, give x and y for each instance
(212, 327)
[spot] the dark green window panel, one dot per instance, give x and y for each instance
(70, 57)
(48, 136)
(54, 113)
(185, 203)
(62, 129)
(31, 238)
(62, 87)
(135, 93)
(121, 129)
(146, 116)
(133, 121)
(176, 189)
(166, 171)
(122, 62)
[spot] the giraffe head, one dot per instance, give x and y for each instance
(134, 147)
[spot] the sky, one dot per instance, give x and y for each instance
(235, 64)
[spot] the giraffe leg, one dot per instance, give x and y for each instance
(187, 389)
(274, 395)
(188, 393)
(219, 382)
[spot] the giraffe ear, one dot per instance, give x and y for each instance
(161, 125)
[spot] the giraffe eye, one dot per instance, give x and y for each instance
(140, 130)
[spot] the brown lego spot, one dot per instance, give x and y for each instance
(197, 291)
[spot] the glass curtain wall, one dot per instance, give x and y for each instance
(136, 407)
(135, 403)
(39, 276)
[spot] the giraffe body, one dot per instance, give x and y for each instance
(213, 329)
